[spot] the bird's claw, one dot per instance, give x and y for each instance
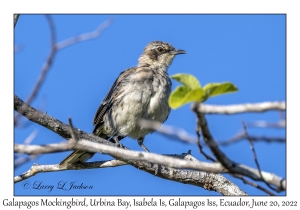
(118, 144)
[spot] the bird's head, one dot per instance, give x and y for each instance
(159, 54)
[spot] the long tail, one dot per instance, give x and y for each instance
(79, 155)
(82, 156)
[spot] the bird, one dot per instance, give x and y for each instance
(140, 92)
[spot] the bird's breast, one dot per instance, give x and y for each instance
(158, 108)
(145, 96)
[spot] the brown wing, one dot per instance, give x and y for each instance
(82, 156)
(109, 98)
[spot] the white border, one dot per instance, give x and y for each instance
(291, 8)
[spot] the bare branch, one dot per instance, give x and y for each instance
(239, 108)
(230, 165)
(202, 125)
(209, 181)
(42, 149)
(31, 137)
(23, 158)
(74, 138)
(58, 46)
(48, 63)
(63, 130)
(84, 37)
(16, 18)
(45, 67)
(169, 131)
(281, 116)
(35, 169)
(121, 154)
(201, 148)
(253, 184)
(264, 124)
(242, 136)
(255, 158)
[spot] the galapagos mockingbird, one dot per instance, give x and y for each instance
(140, 92)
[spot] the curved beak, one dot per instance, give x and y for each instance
(177, 51)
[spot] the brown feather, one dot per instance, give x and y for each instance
(111, 96)
(147, 85)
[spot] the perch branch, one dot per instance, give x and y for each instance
(239, 108)
(64, 130)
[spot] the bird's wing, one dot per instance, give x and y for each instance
(111, 96)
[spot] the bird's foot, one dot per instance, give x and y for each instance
(118, 144)
(140, 142)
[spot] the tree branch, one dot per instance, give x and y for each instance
(264, 124)
(23, 158)
(121, 154)
(169, 131)
(58, 46)
(64, 130)
(239, 108)
(230, 165)
(256, 159)
(253, 184)
(242, 136)
(16, 18)
(35, 169)
(207, 180)
(84, 37)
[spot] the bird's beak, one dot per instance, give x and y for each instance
(177, 51)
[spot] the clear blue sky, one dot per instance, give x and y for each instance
(247, 50)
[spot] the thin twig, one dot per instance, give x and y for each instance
(87, 36)
(169, 131)
(45, 67)
(242, 136)
(230, 165)
(31, 137)
(16, 18)
(24, 158)
(58, 46)
(253, 184)
(256, 160)
(201, 148)
(211, 143)
(48, 63)
(281, 115)
(264, 124)
(73, 135)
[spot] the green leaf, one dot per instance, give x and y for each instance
(182, 95)
(187, 80)
(214, 89)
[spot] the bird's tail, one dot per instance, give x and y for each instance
(79, 155)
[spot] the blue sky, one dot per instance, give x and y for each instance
(247, 50)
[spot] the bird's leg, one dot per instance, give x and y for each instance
(140, 141)
(117, 143)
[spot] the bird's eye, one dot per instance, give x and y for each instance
(160, 49)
